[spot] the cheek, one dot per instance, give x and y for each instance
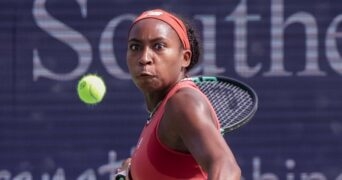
(173, 57)
(130, 64)
(129, 59)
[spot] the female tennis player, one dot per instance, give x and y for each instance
(181, 138)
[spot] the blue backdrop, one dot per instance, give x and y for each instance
(289, 51)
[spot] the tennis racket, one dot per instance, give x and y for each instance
(235, 102)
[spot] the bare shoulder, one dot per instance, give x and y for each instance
(185, 100)
(186, 113)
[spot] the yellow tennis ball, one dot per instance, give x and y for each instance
(91, 89)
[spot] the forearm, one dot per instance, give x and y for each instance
(224, 171)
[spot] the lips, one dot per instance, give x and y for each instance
(145, 73)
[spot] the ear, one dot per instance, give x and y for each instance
(186, 60)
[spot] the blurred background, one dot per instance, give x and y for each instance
(289, 51)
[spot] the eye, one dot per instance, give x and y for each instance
(159, 46)
(134, 47)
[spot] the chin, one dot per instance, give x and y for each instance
(147, 86)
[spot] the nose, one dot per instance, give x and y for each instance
(146, 57)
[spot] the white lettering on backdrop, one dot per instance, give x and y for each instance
(240, 18)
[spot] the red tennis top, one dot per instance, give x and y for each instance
(152, 160)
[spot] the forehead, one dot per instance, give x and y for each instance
(152, 28)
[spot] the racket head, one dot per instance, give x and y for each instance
(235, 102)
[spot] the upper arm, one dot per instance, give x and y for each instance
(190, 118)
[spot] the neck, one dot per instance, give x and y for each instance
(153, 99)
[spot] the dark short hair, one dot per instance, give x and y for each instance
(195, 45)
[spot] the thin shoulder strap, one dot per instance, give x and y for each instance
(159, 112)
(182, 84)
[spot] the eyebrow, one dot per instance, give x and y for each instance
(150, 40)
(133, 40)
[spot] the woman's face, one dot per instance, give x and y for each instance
(155, 57)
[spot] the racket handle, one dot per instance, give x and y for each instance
(121, 175)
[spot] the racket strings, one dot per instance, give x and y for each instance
(230, 102)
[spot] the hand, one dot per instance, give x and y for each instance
(124, 169)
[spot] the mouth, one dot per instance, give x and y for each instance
(145, 74)
(144, 78)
